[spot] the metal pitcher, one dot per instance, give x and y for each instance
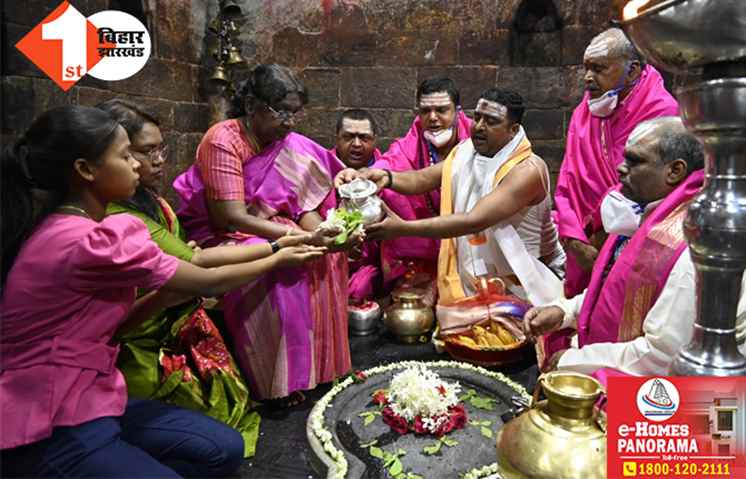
(408, 317)
(558, 438)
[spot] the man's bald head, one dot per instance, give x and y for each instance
(611, 63)
(658, 156)
(611, 44)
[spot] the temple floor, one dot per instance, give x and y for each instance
(283, 451)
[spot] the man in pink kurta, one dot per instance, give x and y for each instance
(639, 308)
(356, 147)
(621, 92)
(440, 125)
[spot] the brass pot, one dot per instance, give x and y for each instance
(559, 437)
(408, 317)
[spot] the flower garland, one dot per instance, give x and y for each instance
(418, 400)
(325, 437)
(480, 472)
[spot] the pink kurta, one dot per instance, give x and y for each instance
(71, 286)
(411, 152)
(595, 148)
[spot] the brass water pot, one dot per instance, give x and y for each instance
(408, 317)
(558, 438)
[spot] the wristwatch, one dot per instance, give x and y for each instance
(275, 246)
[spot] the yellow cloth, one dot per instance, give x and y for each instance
(450, 288)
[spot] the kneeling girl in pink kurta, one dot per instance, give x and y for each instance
(69, 279)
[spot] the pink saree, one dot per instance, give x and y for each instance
(403, 256)
(289, 328)
(615, 307)
(595, 148)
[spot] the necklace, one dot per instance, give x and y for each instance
(75, 209)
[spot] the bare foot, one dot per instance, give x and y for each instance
(286, 402)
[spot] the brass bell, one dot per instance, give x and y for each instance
(231, 27)
(234, 56)
(219, 75)
(230, 9)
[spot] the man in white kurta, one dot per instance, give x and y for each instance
(495, 207)
(659, 156)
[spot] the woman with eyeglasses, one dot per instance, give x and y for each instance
(178, 354)
(255, 180)
(69, 279)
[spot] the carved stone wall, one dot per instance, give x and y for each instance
(350, 53)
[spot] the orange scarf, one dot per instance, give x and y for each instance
(450, 288)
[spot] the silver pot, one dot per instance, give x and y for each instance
(360, 195)
(363, 322)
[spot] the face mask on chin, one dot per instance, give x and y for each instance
(605, 105)
(439, 138)
(619, 214)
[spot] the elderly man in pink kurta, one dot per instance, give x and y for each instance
(621, 92)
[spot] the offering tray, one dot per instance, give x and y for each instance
(340, 438)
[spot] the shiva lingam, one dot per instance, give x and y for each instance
(707, 39)
(562, 437)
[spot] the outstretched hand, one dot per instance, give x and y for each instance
(392, 226)
(297, 255)
(542, 320)
(347, 175)
(295, 238)
(377, 176)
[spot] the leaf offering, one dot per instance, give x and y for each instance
(349, 222)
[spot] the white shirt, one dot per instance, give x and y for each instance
(667, 327)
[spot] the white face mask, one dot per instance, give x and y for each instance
(440, 137)
(619, 214)
(604, 105)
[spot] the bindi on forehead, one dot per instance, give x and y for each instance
(437, 99)
(491, 108)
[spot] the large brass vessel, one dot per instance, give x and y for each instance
(408, 318)
(558, 438)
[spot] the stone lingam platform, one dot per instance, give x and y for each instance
(341, 440)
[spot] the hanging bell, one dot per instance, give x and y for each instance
(234, 56)
(230, 9)
(219, 75)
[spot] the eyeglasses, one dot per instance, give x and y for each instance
(155, 153)
(284, 115)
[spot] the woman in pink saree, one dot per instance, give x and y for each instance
(254, 180)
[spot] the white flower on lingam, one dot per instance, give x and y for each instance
(418, 391)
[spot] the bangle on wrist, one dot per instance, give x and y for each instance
(275, 246)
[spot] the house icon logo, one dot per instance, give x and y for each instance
(658, 399)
